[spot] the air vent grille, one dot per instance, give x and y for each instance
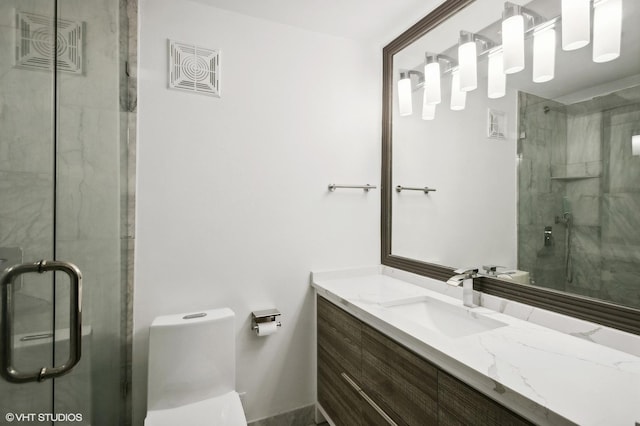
(35, 43)
(194, 69)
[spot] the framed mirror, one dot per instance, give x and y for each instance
(511, 140)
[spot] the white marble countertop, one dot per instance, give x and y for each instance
(545, 375)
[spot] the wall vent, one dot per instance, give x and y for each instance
(35, 43)
(194, 69)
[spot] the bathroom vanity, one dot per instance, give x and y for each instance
(397, 348)
(364, 377)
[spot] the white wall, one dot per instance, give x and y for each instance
(233, 208)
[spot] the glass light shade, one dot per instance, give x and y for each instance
(468, 60)
(576, 24)
(544, 55)
(428, 110)
(513, 44)
(458, 97)
(607, 30)
(635, 145)
(497, 79)
(432, 83)
(404, 96)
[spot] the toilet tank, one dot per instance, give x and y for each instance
(191, 358)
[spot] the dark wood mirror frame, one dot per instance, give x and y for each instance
(598, 311)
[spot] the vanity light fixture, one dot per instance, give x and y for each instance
(513, 38)
(516, 20)
(497, 79)
(432, 92)
(458, 97)
(428, 110)
(607, 30)
(468, 60)
(544, 53)
(635, 145)
(576, 23)
(404, 94)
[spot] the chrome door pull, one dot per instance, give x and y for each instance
(75, 320)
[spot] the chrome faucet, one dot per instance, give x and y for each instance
(465, 278)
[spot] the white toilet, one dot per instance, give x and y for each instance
(192, 370)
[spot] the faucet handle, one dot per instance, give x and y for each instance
(470, 271)
(491, 269)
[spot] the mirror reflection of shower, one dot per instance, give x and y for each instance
(578, 227)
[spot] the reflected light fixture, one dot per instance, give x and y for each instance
(607, 29)
(468, 60)
(513, 38)
(576, 23)
(458, 97)
(544, 54)
(432, 92)
(635, 145)
(497, 79)
(404, 94)
(428, 109)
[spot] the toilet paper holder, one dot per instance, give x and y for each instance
(265, 316)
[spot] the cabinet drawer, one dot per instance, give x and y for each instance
(339, 334)
(401, 383)
(460, 404)
(341, 402)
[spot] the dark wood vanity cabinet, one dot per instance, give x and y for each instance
(404, 385)
(365, 378)
(339, 353)
(459, 404)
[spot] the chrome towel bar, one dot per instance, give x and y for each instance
(367, 187)
(426, 189)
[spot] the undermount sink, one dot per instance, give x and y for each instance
(441, 317)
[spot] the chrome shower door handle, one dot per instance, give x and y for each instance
(75, 321)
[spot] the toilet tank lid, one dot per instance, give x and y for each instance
(192, 317)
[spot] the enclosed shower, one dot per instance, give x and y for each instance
(65, 111)
(579, 195)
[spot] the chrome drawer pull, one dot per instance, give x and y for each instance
(366, 397)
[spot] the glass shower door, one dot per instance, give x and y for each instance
(27, 207)
(62, 177)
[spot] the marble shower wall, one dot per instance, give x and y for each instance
(620, 204)
(542, 152)
(589, 164)
(90, 194)
(583, 190)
